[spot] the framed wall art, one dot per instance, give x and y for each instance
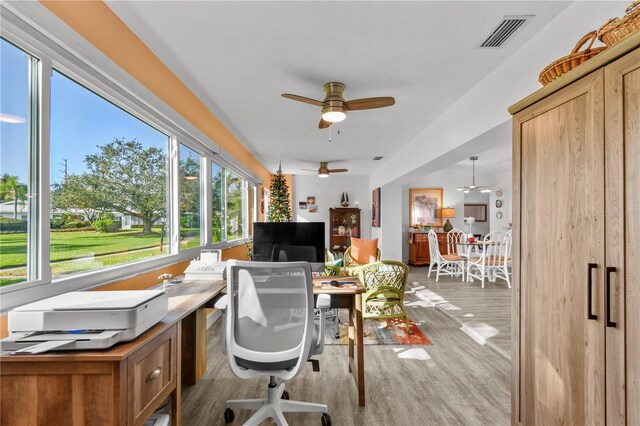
(423, 206)
(375, 208)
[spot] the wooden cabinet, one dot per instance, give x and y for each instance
(344, 223)
(114, 387)
(576, 316)
(419, 247)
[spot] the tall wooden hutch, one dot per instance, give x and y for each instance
(344, 223)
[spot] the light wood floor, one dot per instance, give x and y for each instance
(483, 313)
(455, 381)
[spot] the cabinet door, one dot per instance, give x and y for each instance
(423, 251)
(622, 135)
(558, 353)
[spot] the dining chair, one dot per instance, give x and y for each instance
(493, 260)
(442, 265)
(500, 259)
(455, 251)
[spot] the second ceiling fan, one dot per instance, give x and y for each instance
(335, 107)
(324, 171)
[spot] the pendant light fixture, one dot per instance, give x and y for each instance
(473, 187)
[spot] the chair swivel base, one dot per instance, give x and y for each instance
(274, 407)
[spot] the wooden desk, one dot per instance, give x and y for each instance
(122, 385)
(350, 298)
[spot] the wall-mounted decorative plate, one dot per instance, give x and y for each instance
(498, 192)
(498, 203)
(499, 215)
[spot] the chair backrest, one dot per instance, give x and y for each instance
(434, 248)
(269, 318)
(283, 253)
(497, 248)
(347, 260)
(384, 276)
(454, 238)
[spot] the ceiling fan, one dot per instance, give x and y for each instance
(334, 107)
(324, 171)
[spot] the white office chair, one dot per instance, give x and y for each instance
(269, 330)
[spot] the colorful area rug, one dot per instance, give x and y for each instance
(376, 332)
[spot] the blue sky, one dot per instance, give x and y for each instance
(80, 120)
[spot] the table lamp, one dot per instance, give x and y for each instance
(470, 220)
(447, 213)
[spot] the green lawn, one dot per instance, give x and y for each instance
(72, 245)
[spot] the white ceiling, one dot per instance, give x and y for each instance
(238, 57)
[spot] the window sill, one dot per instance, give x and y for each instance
(30, 292)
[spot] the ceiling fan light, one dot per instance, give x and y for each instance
(334, 116)
(472, 187)
(323, 175)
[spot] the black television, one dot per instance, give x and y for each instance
(268, 235)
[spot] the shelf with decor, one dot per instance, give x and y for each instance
(344, 223)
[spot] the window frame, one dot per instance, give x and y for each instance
(87, 66)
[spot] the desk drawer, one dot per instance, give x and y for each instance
(151, 375)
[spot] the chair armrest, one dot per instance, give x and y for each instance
(323, 301)
(221, 303)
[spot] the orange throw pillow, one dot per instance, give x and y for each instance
(364, 251)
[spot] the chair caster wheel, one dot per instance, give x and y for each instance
(326, 419)
(229, 415)
(285, 395)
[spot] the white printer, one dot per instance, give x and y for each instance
(83, 320)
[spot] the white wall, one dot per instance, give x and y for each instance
(327, 192)
(389, 234)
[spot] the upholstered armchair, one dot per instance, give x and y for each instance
(385, 283)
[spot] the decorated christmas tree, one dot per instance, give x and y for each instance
(279, 207)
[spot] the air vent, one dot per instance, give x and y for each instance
(377, 158)
(505, 29)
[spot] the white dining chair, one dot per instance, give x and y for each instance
(442, 265)
(493, 260)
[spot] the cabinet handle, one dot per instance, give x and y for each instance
(591, 267)
(154, 374)
(610, 269)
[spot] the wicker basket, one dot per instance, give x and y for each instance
(569, 62)
(616, 29)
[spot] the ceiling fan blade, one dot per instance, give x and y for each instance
(338, 170)
(310, 170)
(370, 103)
(324, 124)
(302, 99)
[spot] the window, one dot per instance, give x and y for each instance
(95, 185)
(217, 204)
(18, 77)
(108, 183)
(190, 197)
(236, 200)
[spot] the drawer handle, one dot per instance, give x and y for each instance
(154, 374)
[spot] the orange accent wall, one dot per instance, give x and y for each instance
(94, 21)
